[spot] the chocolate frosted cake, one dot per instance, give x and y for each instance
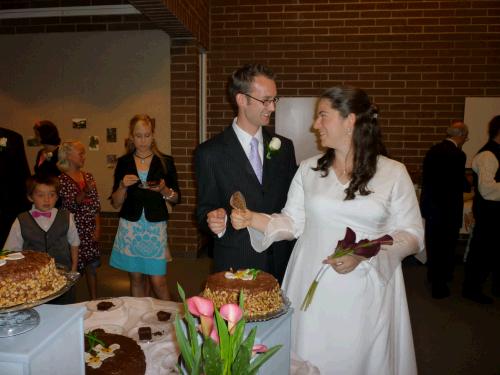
(122, 356)
(261, 291)
(29, 277)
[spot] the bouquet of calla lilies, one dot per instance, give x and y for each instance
(365, 248)
(215, 347)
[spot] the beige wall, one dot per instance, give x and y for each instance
(103, 77)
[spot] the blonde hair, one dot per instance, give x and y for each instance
(64, 150)
(154, 148)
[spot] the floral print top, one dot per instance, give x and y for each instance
(85, 214)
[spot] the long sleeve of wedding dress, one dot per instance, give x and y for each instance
(287, 225)
(390, 257)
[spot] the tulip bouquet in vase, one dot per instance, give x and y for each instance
(348, 246)
(214, 344)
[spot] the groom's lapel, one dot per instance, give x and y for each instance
(269, 165)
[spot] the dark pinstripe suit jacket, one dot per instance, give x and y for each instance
(222, 168)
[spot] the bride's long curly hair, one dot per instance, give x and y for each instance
(367, 142)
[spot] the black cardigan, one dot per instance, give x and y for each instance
(138, 199)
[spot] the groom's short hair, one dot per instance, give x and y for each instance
(242, 78)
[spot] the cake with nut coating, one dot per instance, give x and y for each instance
(261, 291)
(28, 278)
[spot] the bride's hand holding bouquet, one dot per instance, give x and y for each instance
(344, 264)
(346, 257)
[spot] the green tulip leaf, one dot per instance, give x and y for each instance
(224, 339)
(212, 362)
(184, 346)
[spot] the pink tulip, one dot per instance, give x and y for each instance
(232, 313)
(214, 335)
(200, 306)
(259, 348)
(207, 324)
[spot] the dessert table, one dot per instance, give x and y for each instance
(162, 355)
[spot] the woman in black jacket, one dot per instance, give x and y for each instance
(145, 179)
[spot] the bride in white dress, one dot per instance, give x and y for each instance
(358, 322)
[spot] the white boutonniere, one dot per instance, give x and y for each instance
(273, 147)
(3, 143)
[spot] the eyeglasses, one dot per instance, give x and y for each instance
(265, 102)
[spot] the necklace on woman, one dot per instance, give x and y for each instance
(143, 158)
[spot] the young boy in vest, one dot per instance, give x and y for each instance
(46, 229)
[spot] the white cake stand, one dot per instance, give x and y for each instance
(22, 318)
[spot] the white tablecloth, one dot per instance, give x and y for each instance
(162, 355)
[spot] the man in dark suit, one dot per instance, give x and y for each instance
(441, 202)
(238, 160)
(14, 170)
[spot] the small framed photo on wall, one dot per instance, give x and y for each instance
(79, 123)
(94, 143)
(111, 160)
(111, 135)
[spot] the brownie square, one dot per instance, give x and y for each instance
(104, 305)
(145, 333)
(163, 316)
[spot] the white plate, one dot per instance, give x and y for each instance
(151, 318)
(14, 256)
(92, 305)
(163, 332)
(108, 328)
(2, 262)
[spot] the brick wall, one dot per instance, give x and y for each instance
(418, 59)
(185, 239)
(109, 224)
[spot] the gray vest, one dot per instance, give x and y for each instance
(54, 241)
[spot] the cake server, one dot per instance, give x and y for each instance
(237, 201)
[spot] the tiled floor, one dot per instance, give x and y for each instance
(452, 336)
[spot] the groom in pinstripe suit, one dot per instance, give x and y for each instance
(229, 162)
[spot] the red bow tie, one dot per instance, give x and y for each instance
(41, 213)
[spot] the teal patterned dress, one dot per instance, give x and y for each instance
(140, 245)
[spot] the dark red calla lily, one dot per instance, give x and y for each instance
(365, 248)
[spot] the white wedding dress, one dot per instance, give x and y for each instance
(358, 323)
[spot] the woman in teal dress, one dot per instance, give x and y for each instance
(145, 179)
